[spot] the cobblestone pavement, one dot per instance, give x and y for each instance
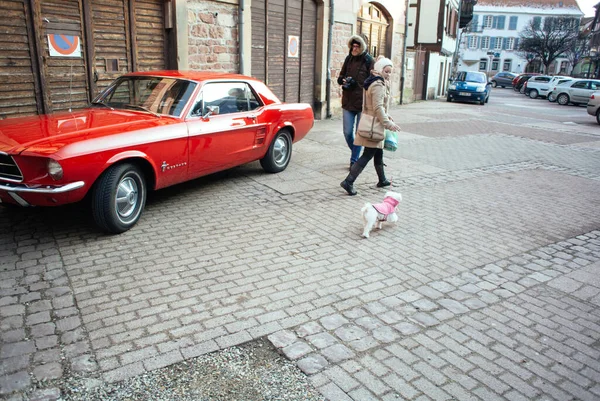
(487, 289)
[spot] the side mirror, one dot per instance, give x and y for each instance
(212, 110)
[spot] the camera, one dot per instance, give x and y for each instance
(350, 83)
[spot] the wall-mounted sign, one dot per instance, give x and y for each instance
(61, 45)
(293, 46)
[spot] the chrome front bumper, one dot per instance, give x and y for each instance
(14, 190)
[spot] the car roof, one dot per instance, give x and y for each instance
(192, 75)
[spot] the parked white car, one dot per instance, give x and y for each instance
(539, 88)
(551, 93)
(593, 106)
(531, 88)
(577, 91)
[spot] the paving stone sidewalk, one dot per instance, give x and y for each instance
(486, 289)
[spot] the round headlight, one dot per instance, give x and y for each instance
(55, 169)
(452, 87)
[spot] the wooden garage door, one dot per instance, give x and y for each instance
(113, 37)
(275, 25)
(18, 84)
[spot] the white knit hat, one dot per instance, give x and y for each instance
(381, 63)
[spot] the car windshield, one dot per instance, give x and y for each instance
(155, 95)
(471, 77)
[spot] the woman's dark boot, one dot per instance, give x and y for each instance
(383, 182)
(347, 184)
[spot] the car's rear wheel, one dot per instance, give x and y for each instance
(598, 116)
(562, 99)
(118, 198)
(494, 84)
(533, 93)
(279, 154)
(551, 98)
(522, 89)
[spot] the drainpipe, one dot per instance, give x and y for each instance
(404, 51)
(241, 39)
(329, 44)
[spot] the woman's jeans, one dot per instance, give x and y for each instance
(350, 121)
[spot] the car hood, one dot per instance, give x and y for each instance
(46, 134)
(468, 86)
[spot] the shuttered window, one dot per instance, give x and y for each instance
(512, 24)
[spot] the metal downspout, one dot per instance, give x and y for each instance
(329, 44)
(404, 51)
(241, 38)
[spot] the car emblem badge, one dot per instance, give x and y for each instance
(163, 166)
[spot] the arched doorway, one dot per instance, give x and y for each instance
(373, 22)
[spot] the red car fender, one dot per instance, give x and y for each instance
(134, 154)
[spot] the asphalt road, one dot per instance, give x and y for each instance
(486, 289)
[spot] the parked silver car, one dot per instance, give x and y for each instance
(577, 91)
(593, 106)
(552, 90)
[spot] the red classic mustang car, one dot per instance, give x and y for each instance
(148, 130)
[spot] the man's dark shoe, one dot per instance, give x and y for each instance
(348, 187)
(384, 183)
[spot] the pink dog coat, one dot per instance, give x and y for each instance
(387, 207)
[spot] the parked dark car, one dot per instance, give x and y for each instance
(503, 79)
(520, 80)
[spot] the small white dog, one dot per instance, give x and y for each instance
(376, 214)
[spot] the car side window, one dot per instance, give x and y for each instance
(544, 79)
(594, 85)
(580, 84)
(229, 97)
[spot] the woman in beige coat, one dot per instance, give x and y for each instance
(377, 98)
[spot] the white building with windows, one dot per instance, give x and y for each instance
(489, 44)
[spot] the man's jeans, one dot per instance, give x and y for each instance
(348, 121)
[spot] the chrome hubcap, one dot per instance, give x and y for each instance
(127, 197)
(280, 150)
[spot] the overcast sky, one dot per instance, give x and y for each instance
(587, 7)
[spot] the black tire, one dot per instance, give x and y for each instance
(494, 84)
(522, 89)
(118, 198)
(279, 154)
(563, 99)
(482, 102)
(533, 93)
(448, 99)
(598, 116)
(503, 86)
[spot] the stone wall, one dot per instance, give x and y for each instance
(339, 51)
(213, 36)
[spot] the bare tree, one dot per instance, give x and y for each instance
(577, 50)
(550, 41)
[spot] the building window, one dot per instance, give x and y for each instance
(483, 64)
(510, 43)
(472, 42)
(537, 22)
(563, 67)
(512, 24)
(498, 44)
(495, 64)
(485, 42)
(507, 65)
(487, 21)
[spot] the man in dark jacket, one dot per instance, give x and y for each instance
(357, 67)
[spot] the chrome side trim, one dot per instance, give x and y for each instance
(43, 190)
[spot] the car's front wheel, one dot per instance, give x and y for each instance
(118, 198)
(494, 84)
(279, 154)
(533, 93)
(598, 115)
(563, 99)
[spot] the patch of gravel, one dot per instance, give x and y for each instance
(250, 372)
